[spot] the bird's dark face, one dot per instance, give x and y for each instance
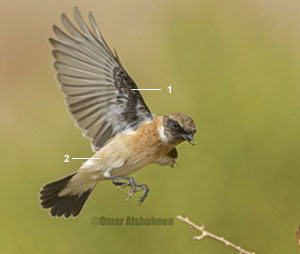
(179, 127)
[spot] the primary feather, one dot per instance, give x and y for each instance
(97, 88)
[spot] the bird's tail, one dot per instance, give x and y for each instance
(67, 196)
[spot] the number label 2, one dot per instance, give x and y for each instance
(67, 158)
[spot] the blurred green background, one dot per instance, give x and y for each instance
(233, 66)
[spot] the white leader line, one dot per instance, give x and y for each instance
(147, 89)
(86, 158)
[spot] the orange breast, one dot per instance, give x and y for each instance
(146, 140)
(142, 146)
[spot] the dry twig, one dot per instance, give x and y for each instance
(205, 233)
(298, 238)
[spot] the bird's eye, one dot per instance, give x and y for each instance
(175, 125)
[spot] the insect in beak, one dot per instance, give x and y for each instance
(190, 138)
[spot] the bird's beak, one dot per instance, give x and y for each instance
(190, 138)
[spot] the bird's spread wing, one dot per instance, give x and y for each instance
(168, 159)
(97, 88)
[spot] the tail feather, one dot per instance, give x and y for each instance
(68, 204)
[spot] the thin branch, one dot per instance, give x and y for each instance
(205, 233)
(298, 238)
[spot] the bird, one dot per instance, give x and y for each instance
(102, 99)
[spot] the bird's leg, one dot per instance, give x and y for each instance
(134, 187)
(130, 182)
(116, 181)
(146, 190)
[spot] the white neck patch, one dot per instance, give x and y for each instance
(162, 134)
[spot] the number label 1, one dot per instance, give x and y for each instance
(170, 89)
(67, 158)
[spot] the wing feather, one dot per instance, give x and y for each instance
(97, 88)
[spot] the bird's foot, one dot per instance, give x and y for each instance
(144, 195)
(134, 187)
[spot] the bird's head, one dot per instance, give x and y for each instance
(178, 127)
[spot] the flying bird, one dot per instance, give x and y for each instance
(125, 135)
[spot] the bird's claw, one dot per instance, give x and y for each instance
(134, 187)
(145, 194)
